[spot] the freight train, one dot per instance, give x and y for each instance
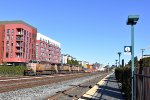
(38, 68)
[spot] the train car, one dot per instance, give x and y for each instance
(38, 68)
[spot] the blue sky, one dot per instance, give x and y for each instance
(91, 30)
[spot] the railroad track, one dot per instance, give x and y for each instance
(76, 91)
(12, 84)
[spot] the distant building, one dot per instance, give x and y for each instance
(70, 57)
(101, 68)
(47, 49)
(84, 64)
(65, 58)
(17, 42)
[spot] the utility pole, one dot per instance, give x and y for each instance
(142, 52)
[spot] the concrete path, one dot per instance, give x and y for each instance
(106, 89)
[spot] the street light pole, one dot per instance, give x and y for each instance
(116, 62)
(132, 57)
(119, 53)
(132, 20)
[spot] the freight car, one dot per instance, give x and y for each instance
(38, 68)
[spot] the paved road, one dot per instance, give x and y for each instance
(108, 90)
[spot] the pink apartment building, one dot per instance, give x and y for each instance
(17, 42)
(47, 50)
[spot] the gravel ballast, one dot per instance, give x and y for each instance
(42, 92)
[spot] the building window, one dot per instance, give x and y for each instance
(8, 31)
(37, 47)
(25, 32)
(7, 38)
(12, 37)
(7, 43)
(33, 36)
(6, 55)
(12, 31)
(41, 43)
(11, 55)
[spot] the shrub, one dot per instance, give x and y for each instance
(123, 75)
(12, 70)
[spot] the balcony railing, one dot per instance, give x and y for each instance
(19, 33)
(19, 39)
(19, 50)
(19, 45)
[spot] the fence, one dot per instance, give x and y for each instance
(142, 84)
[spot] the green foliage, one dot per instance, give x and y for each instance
(129, 63)
(146, 62)
(136, 62)
(69, 62)
(12, 70)
(123, 75)
(75, 62)
(5, 63)
(72, 62)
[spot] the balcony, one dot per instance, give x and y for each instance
(19, 31)
(19, 39)
(19, 34)
(18, 56)
(19, 45)
(19, 51)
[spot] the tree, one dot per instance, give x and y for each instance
(129, 63)
(76, 62)
(146, 62)
(136, 62)
(72, 62)
(68, 61)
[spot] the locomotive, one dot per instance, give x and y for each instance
(39, 68)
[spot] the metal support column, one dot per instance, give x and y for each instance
(132, 57)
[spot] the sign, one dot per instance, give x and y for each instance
(127, 50)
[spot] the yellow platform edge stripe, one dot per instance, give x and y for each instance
(93, 90)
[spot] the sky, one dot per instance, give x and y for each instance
(90, 30)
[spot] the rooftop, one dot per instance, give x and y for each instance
(43, 37)
(16, 22)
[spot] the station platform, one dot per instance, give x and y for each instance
(106, 89)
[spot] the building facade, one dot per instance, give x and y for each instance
(17, 42)
(47, 49)
(65, 58)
